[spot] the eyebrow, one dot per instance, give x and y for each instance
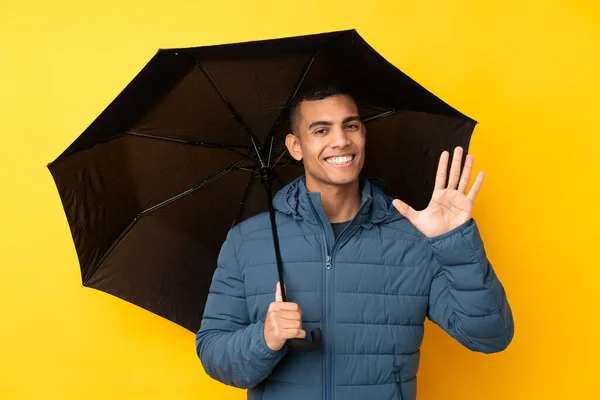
(351, 118)
(329, 123)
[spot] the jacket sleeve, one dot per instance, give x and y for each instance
(232, 350)
(466, 298)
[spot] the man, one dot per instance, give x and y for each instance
(365, 269)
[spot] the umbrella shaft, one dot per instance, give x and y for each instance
(267, 185)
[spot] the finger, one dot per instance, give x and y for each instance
(440, 175)
(404, 209)
(293, 333)
(289, 315)
(278, 292)
(455, 168)
(301, 334)
(466, 174)
(476, 186)
(289, 324)
(287, 306)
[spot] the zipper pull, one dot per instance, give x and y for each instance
(328, 263)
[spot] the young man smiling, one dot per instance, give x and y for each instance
(364, 268)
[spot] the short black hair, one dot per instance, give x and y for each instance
(313, 92)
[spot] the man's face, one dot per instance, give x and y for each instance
(331, 142)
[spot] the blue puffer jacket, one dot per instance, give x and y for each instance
(369, 291)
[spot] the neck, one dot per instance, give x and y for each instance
(340, 202)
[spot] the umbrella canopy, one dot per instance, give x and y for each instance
(152, 186)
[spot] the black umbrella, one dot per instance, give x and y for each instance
(186, 151)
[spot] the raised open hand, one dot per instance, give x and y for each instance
(449, 206)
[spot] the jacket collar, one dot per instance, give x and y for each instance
(376, 207)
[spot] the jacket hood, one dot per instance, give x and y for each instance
(294, 199)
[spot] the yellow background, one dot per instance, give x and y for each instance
(526, 70)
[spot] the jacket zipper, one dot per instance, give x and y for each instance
(328, 369)
(329, 309)
(330, 264)
(327, 390)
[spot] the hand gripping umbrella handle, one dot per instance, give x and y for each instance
(302, 345)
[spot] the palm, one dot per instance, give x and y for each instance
(449, 206)
(446, 210)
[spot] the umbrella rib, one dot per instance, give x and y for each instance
(382, 115)
(257, 153)
(229, 106)
(243, 201)
(160, 205)
(270, 150)
(287, 157)
(288, 163)
(295, 89)
(231, 147)
(197, 187)
(247, 169)
(279, 158)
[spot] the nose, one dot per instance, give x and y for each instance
(339, 138)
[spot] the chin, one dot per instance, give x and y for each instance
(344, 181)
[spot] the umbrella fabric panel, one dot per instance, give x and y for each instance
(166, 260)
(257, 78)
(403, 150)
(193, 111)
(104, 188)
(151, 84)
(365, 71)
(258, 87)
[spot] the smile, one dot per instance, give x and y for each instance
(340, 160)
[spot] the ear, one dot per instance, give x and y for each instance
(292, 142)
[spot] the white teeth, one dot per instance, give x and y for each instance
(339, 160)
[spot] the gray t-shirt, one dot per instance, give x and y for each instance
(339, 227)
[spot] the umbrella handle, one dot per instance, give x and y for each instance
(304, 346)
(301, 345)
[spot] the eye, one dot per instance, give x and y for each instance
(321, 131)
(352, 126)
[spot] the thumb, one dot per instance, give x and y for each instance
(404, 209)
(278, 292)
